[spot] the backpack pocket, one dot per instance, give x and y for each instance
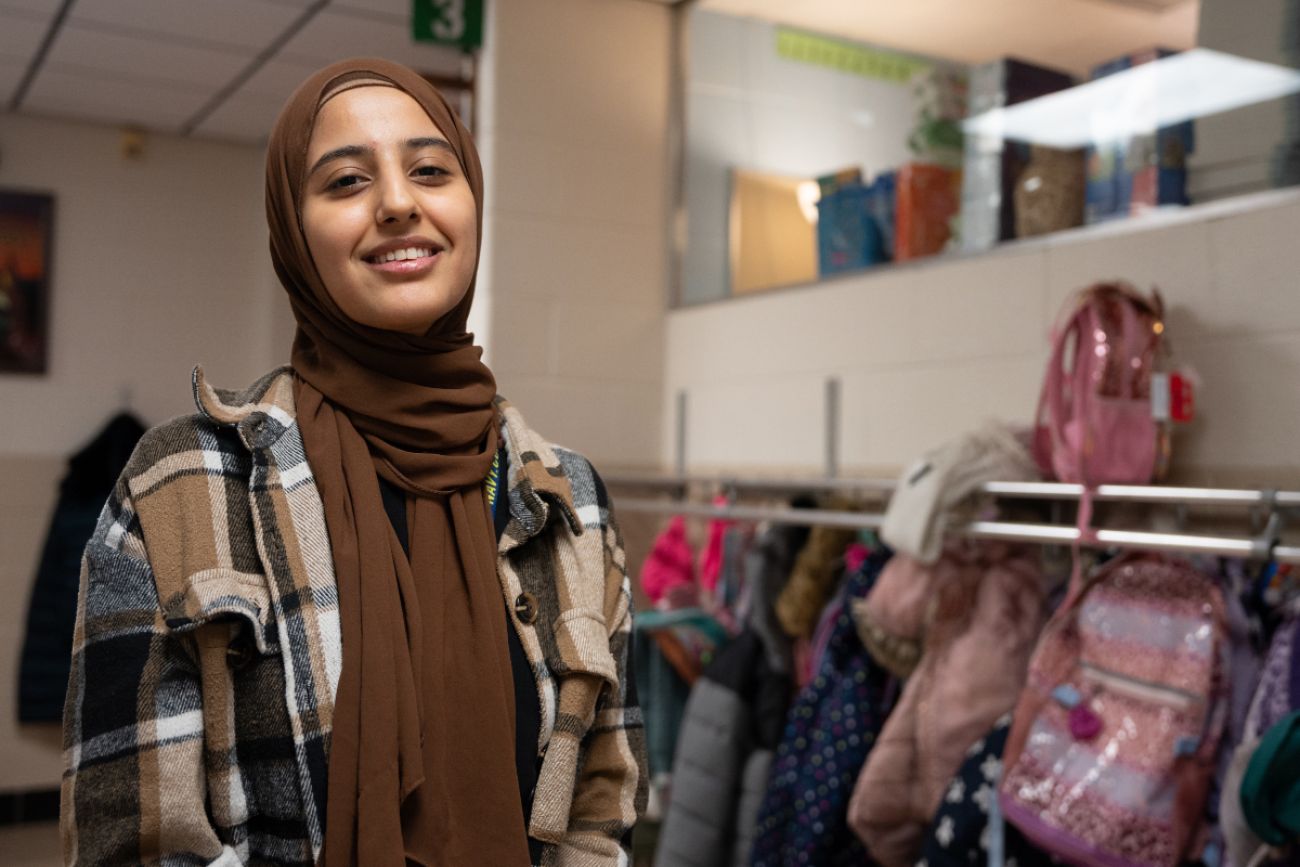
(1121, 720)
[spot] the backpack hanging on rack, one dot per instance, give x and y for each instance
(1095, 423)
(1113, 744)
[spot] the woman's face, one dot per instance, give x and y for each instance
(388, 214)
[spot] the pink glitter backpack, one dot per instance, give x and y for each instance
(1113, 744)
(1095, 423)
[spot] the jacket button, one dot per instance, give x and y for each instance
(240, 654)
(526, 608)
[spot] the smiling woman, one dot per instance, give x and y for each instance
(376, 618)
(390, 219)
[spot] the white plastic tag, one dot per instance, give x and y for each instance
(1160, 396)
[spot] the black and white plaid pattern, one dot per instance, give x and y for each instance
(207, 651)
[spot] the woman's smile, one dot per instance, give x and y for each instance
(404, 257)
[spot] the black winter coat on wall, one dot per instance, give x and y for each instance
(52, 613)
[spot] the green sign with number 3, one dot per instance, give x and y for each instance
(448, 22)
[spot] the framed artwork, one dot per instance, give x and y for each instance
(26, 241)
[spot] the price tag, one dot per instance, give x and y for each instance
(1182, 397)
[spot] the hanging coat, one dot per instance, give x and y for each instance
(732, 725)
(52, 612)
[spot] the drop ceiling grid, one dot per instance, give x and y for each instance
(110, 100)
(11, 72)
(246, 26)
(335, 34)
(153, 63)
(39, 8)
(277, 78)
(145, 58)
(157, 63)
(381, 29)
(242, 118)
(21, 34)
(396, 9)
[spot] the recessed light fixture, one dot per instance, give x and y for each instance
(1138, 100)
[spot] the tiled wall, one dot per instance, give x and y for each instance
(30, 756)
(575, 147)
(929, 350)
(160, 263)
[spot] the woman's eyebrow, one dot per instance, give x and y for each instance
(340, 153)
(414, 144)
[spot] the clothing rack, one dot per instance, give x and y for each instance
(1263, 546)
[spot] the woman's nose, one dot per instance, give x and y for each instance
(395, 202)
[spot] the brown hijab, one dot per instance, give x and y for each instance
(421, 766)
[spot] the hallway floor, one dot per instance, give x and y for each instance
(30, 845)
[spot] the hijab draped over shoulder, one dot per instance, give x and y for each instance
(421, 765)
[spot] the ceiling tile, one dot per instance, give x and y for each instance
(399, 9)
(43, 9)
(333, 36)
(20, 35)
(111, 100)
(251, 24)
(246, 119)
(146, 58)
(278, 78)
(143, 78)
(11, 72)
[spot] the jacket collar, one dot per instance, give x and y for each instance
(537, 480)
(264, 411)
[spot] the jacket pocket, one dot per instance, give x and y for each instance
(582, 644)
(216, 595)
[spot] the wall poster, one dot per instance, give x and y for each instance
(26, 239)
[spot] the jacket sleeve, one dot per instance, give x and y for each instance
(611, 788)
(134, 779)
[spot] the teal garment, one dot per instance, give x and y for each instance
(1270, 791)
(662, 690)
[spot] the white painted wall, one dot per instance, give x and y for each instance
(159, 263)
(930, 350)
(574, 139)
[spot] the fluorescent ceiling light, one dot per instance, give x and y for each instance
(1139, 100)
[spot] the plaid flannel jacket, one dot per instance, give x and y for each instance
(207, 650)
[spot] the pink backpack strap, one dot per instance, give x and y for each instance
(1050, 418)
(1135, 332)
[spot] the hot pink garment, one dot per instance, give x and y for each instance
(669, 569)
(711, 558)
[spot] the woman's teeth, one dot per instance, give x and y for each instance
(399, 255)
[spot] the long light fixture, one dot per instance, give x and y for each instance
(1139, 100)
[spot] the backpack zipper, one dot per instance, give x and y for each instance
(1141, 689)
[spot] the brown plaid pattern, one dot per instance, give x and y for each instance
(207, 651)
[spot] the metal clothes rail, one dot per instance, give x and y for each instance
(1263, 546)
(1167, 494)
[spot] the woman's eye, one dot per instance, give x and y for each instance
(431, 171)
(344, 182)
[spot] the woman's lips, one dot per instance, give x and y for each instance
(406, 267)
